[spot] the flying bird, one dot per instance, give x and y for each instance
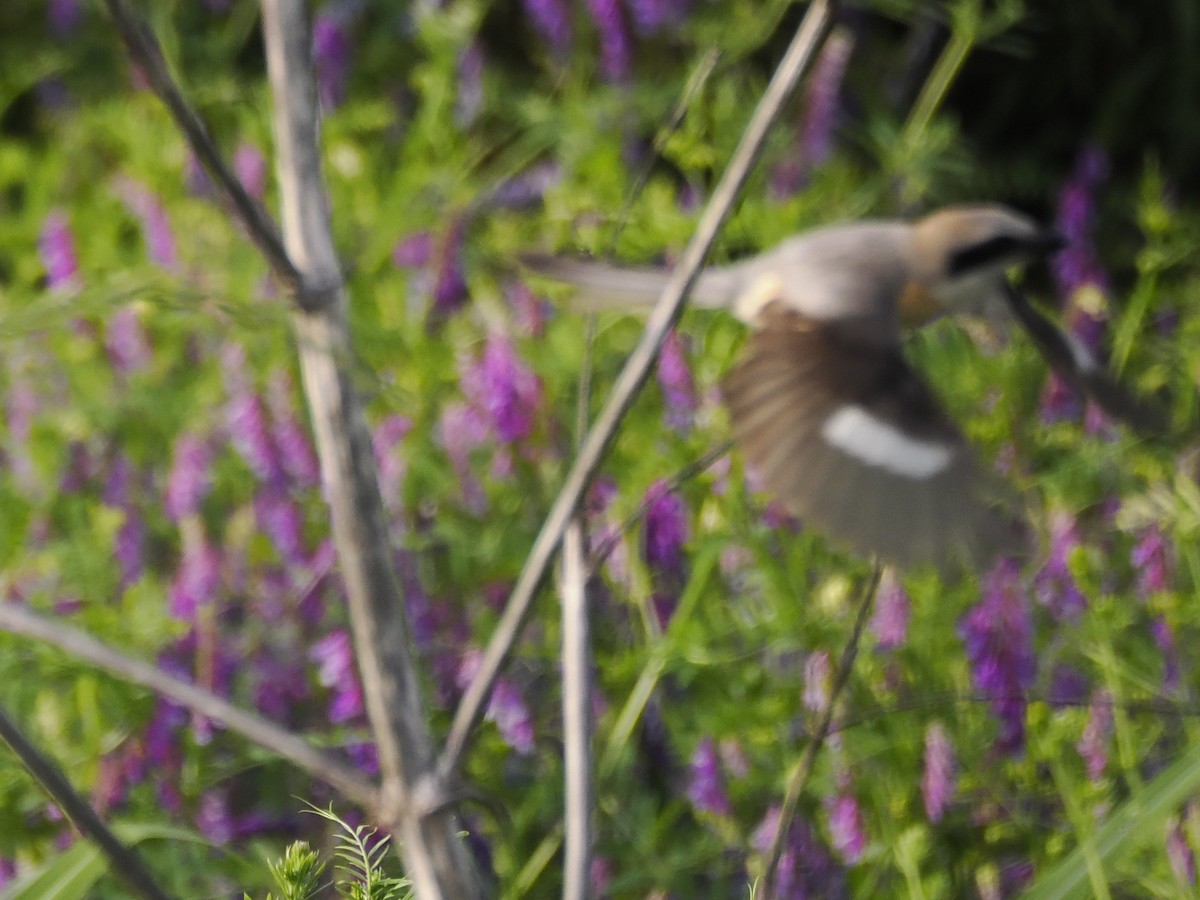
(823, 402)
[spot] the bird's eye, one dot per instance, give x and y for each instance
(984, 253)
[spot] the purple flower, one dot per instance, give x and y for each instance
(250, 167)
(675, 379)
(821, 99)
(1164, 639)
(1179, 854)
(291, 439)
(190, 479)
(1151, 557)
(806, 868)
(365, 756)
(214, 819)
(527, 309)
(551, 20)
(1068, 686)
(998, 634)
(56, 245)
(386, 440)
(600, 876)
(8, 871)
(246, 419)
(527, 189)
(846, 827)
(156, 226)
(450, 285)
(733, 757)
(197, 577)
(414, 250)
(334, 656)
(64, 16)
(506, 708)
(706, 782)
(1093, 743)
(281, 519)
(129, 547)
(331, 57)
(816, 680)
(125, 340)
(501, 385)
(470, 86)
(665, 530)
(1054, 586)
(651, 15)
(893, 608)
(460, 430)
(616, 53)
(940, 780)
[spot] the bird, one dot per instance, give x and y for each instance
(823, 402)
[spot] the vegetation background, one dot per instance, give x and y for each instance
(158, 487)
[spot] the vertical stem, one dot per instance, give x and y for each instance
(434, 857)
(577, 719)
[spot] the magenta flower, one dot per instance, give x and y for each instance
(189, 480)
(806, 868)
(64, 16)
(331, 57)
(528, 311)
(651, 15)
(1179, 854)
(460, 430)
(414, 250)
(706, 781)
(1068, 686)
(998, 634)
(1054, 586)
(197, 578)
(1164, 639)
(129, 548)
(821, 100)
(893, 608)
(56, 245)
(385, 441)
(450, 291)
(504, 388)
(281, 520)
(1093, 743)
(675, 379)
(552, 21)
(126, 342)
(846, 828)
(940, 780)
(291, 440)
(526, 190)
(665, 530)
(616, 52)
(250, 166)
(156, 226)
(334, 656)
(1151, 557)
(506, 708)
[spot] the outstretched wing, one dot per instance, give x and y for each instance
(852, 441)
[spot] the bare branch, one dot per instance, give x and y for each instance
(17, 619)
(123, 861)
(577, 716)
(799, 779)
(629, 382)
(144, 50)
(426, 830)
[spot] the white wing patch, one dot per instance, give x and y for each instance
(877, 443)
(750, 302)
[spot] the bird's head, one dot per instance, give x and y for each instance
(963, 252)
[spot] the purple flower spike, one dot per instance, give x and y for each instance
(1054, 586)
(470, 86)
(998, 634)
(1179, 854)
(665, 530)
(675, 379)
(197, 578)
(1164, 639)
(506, 708)
(507, 390)
(1151, 557)
(706, 781)
(334, 656)
(846, 827)
(190, 479)
(56, 245)
(893, 608)
(552, 21)
(246, 419)
(331, 56)
(251, 168)
(1093, 743)
(296, 453)
(64, 16)
(806, 868)
(126, 342)
(282, 521)
(156, 226)
(414, 250)
(821, 106)
(450, 290)
(940, 780)
(616, 53)
(651, 15)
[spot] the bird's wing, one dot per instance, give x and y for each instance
(604, 286)
(852, 441)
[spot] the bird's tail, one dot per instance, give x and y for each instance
(602, 286)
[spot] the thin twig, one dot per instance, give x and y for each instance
(630, 381)
(123, 861)
(426, 830)
(799, 779)
(146, 53)
(17, 619)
